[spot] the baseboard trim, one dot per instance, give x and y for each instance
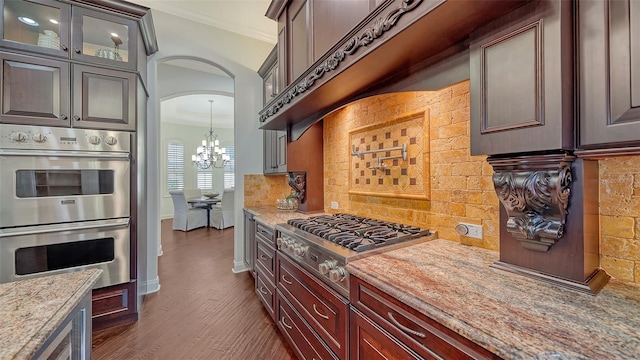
(240, 266)
(152, 286)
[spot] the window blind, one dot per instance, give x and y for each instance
(175, 166)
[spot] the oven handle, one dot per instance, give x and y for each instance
(33, 230)
(83, 154)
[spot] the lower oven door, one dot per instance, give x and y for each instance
(48, 187)
(35, 251)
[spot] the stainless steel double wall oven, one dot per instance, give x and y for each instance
(64, 202)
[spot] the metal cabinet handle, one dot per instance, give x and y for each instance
(404, 328)
(262, 257)
(286, 281)
(77, 50)
(315, 308)
(284, 323)
(63, 117)
(76, 118)
(64, 47)
(263, 290)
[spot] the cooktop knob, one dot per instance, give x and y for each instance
(325, 266)
(110, 140)
(94, 139)
(291, 247)
(300, 250)
(19, 137)
(338, 274)
(39, 138)
(279, 242)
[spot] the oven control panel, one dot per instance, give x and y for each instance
(52, 138)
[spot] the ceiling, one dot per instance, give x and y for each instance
(244, 17)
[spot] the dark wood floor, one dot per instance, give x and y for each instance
(202, 311)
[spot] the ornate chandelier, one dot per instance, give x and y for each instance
(210, 154)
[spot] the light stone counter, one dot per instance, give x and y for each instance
(31, 310)
(270, 215)
(513, 316)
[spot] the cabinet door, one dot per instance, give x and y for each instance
(369, 342)
(281, 151)
(270, 89)
(609, 73)
(103, 99)
(269, 151)
(249, 241)
(104, 38)
(34, 91)
(282, 78)
(40, 26)
(299, 49)
(521, 70)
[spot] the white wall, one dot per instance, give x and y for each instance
(180, 38)
(190, 137)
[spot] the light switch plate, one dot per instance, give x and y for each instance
(334, 205)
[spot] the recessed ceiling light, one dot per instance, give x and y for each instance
(54, 21)
(28, 21)
(114, 35)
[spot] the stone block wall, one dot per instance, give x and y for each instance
(260, 190)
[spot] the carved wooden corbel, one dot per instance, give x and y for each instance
(298, 182)
(535, 192)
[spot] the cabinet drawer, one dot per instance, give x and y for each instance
(265, 258)
(265, 234)
(325, 310)
(420, 333)
(298, 334)
(267, 294)
(370, 342)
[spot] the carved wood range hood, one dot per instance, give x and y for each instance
(393, 43)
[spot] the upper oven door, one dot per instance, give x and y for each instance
(44, 187)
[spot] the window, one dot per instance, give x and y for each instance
(229, 168)
(204, 179)
(175, 166)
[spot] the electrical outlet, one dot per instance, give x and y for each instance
(334, 205)
(470, 230)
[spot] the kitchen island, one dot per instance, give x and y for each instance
(512, 316)
(34, 312)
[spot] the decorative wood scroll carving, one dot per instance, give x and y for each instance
(298, 182)
(375, 31)
(535, 192)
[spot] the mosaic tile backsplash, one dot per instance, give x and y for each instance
(402, 178)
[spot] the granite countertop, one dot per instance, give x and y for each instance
(270, 215)
(511, 315)
(31, 310)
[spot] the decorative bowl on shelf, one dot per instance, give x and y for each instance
(210, 195)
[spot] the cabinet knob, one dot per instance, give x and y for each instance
(64, 47)
(76, 118)
(76, 50)
(63, 117)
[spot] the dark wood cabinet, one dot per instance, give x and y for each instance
(265, 266)
(522, 73)
(608, 73)
(275, 151)
(322, 308)
(114, 305)
(370, 342)
(103, 98)
(299, 35)
(389, 322)
(34, 90)
(270, 78)
(250, 241)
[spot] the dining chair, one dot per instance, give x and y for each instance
(222, 215)
(185, 217)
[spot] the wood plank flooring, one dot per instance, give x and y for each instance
(202, 311)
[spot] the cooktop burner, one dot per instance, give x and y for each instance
(358, 233)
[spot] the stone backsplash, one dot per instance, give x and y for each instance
(260, 190)
(461, 185)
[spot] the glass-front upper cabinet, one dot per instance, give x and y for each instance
(36, 25)
(104, 38)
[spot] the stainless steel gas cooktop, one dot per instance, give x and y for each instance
(325, 244)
